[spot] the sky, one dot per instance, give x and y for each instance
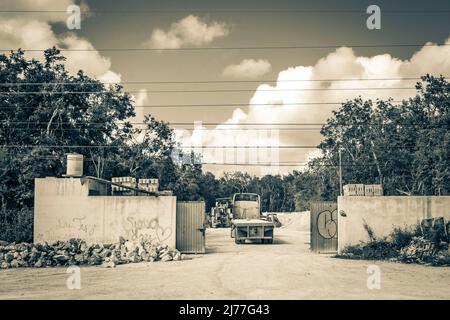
(241, 86)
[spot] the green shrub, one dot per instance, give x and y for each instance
(18, 227)
(369, 231)
(406, 245)
(380, 249)
(401, 238)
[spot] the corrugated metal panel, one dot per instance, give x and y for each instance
(191, 226)
(324, 227)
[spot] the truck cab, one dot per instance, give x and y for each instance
(246, 206)
(247, 223)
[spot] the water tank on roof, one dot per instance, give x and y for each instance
(74, 165)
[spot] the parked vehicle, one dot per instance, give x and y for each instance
(247, 223)
(221, 214)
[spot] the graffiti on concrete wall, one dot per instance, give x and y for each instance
(77, 227)
(84, 227)
(327, 224)
(148, 227)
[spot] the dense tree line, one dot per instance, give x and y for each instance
(46, 112)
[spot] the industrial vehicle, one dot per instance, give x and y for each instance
(221, 214)
(247, 223)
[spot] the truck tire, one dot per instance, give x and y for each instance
(269, 241)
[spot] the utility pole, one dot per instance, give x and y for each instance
(340, 172)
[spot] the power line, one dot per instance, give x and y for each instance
(275, 164)
(178, 123)
(63, 157)
(247, 11)
(212, 81)
(237, 48)
(228, 105)
(271, 164)
(178, 147)
(285, 165)
(195, 129)
(203, 91)
(196, 147)
(198, 123)
(188, 129)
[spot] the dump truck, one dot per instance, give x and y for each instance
(247, 223)
(221, 214)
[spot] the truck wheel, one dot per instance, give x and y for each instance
(269, 241)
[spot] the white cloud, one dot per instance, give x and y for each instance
(343, 63)
(248, 68)
(436, 56)
(89, 60)
(36, 33)
(141, 98)
(110, 77)
(40, 5)
(27, 34)
(190, 30)
(340, 64)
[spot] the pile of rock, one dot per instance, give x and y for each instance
(421, 250)
(418, 250)
(78, 252)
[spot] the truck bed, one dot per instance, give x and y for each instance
(251, 222)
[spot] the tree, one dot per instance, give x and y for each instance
(431, 166)
(404, 147)
(46, 112)
(209, 188)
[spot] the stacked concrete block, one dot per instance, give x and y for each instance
(377, 189)
(368, 190)
(373, 190)
(150, 185)
(124, 181)
(350, 190)
(359, 189)
(363, 190)
(354, 190)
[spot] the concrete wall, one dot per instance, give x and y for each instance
(64, 210)
(382, 214)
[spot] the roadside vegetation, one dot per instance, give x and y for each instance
(408, 245)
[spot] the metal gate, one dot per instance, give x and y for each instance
(324, 227)
(191, 226)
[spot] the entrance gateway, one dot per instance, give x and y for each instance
(191, 226)
(324, 227)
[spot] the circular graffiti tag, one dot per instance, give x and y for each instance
(327, 224)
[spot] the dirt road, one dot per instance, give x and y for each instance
(283, 270)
